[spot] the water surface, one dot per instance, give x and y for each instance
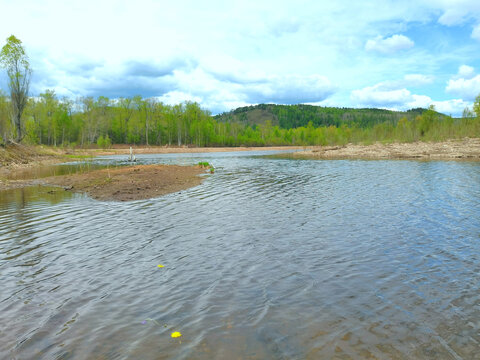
(268, 258)
(39, 172)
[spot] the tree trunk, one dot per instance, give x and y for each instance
(18, 127)
(146, 130)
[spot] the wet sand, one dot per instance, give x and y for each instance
(130, 183)
(465, 149)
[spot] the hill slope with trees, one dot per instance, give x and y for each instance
(293, 116)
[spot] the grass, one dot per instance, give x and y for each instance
(207, 165)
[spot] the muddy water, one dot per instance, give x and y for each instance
(268, 258)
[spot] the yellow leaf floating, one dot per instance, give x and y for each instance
(176, 334)
(160, 266)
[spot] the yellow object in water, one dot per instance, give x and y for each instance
(176, 334)
(160, 266)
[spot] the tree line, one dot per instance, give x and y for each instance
(132, 120)
(135, 120)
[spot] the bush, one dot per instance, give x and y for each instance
(104, 142)
(101, 142)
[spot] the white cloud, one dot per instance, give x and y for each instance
(456, 12)
(393, 92)
(466, 72)
(389, 45)
(176, 97)
(465, 84)
(378, 95)
(452, 107)
(465, 88)
(231, 69)
(417, 101)
(290, 89)
(396, 95)
(417, 79)
(403, 99)
(220, 93)
(476, 32)
(454, 16)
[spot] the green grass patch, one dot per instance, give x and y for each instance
(207, 165)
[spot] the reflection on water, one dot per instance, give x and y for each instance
(20, 198)
(57, 169)
(267, 258)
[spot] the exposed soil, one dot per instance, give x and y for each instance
(130, 183)
(16, 156)
(465, 149)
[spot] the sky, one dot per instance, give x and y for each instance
(225, 54)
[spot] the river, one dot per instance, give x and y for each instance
(267, 259)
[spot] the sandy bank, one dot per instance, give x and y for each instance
(21, 156)
(124, 149)
(130, 183)
(465, 149)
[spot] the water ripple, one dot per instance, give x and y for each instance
(267, 258)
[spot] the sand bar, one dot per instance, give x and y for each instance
(465, 149)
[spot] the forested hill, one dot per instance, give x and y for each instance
(294, 116)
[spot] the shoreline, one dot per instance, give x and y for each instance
(147, 181)
(464, 149)
(452, 149)
(125, 149)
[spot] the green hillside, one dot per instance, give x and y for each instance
(294, 116)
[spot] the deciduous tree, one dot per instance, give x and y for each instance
(15, 60)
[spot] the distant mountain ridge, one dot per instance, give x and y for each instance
(293, 116)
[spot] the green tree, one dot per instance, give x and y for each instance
(476, 106)
(427, 120)
(101, 142)
(15, 60)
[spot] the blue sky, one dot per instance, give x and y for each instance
(225, 54)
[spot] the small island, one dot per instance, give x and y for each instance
(131, 182)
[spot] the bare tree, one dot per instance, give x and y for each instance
(15, 60)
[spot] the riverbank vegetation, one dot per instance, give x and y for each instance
(102, 122)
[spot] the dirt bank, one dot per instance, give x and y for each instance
(465, 149)
(16, 156)
(130, 183)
